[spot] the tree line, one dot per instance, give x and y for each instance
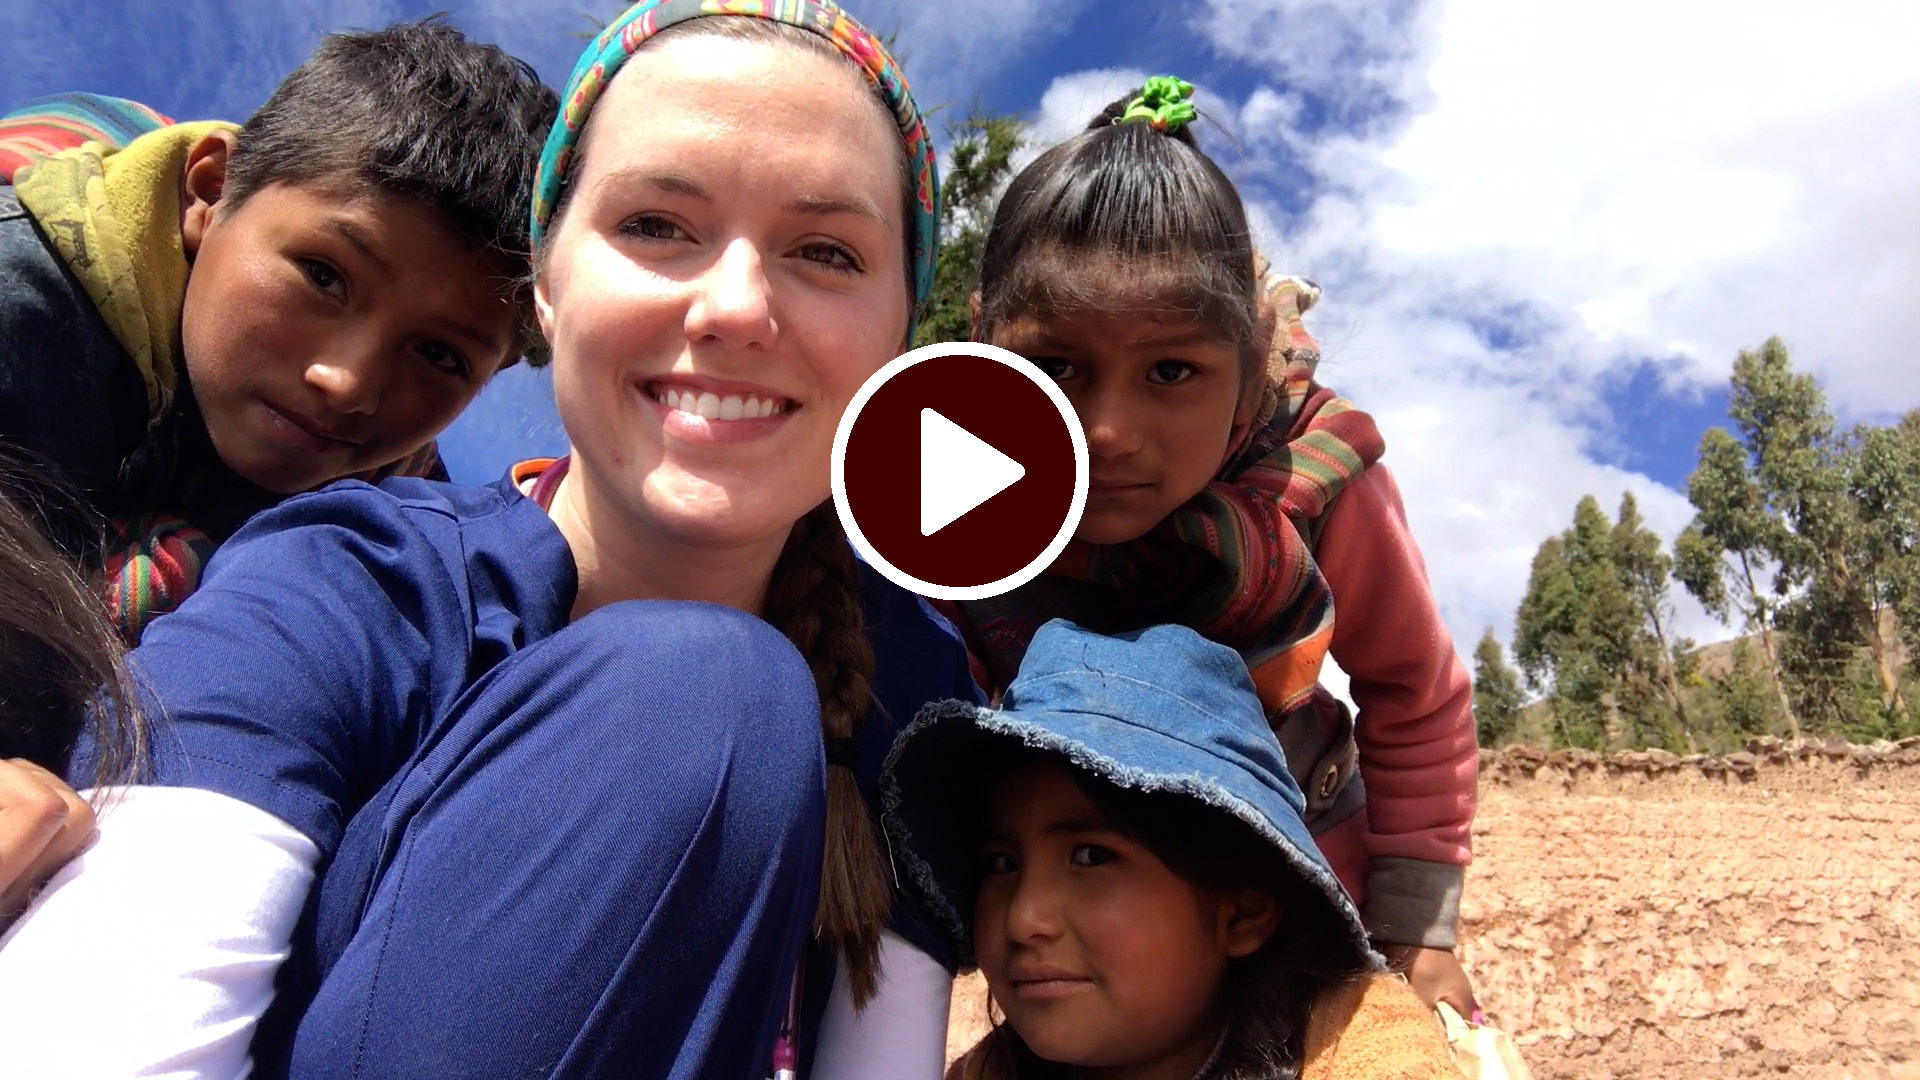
(1805, 541)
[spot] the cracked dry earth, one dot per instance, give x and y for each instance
(1685, 926)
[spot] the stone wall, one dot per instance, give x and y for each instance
(1650, 915)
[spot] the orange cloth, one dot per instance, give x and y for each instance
(1372, 1028)
(1375, 1028)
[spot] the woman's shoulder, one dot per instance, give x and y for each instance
(495, 546)
(435, 512)
(899, 616)
(1375, 1026)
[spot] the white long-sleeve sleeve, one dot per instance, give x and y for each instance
(902, 1033)
(153, 953)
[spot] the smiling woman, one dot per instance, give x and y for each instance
(554, 797)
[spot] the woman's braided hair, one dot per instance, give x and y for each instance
(814, 599)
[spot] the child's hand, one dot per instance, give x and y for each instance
(42, 825)
(1434, 974)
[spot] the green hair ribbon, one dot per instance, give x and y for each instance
(1164, 104)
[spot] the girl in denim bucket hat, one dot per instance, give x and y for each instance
(1120, 849)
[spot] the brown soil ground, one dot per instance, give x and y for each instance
(1690, 926)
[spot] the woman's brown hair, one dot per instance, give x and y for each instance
(62, 667)
(815, 600)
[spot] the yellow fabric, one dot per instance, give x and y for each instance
(114, 219)
(1375, 1028)
(1372, 1028)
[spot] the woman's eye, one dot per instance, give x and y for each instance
(445, 357)
(831, 256)
(1055, 368)
(324, 277)
(998, 862)
(653, 227)
(1169, 372)
(1091, 855)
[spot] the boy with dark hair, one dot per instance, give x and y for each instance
(211, 318)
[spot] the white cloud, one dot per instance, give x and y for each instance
(1679, 178)
(1072, 100)
(1567, 191)
(950, 50)
(1356, 55)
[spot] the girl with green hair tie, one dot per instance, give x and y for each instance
(1233, 493)
(568, 775)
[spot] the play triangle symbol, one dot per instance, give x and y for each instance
(958, 471)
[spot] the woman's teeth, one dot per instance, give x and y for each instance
(715, 407)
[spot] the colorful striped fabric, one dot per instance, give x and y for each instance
(151, 561)
(609, 50)
(48, 125)
(1235, 562)
(150, 564)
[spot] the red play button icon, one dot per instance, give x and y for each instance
(960, 471)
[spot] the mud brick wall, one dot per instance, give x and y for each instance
(1647, 915)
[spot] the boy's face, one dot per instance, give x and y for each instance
(1158, 397)
(1100, 955)
(328, 331)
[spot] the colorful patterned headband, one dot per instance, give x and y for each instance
(610, 49)
(1164, 104)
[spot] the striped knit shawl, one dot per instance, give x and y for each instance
(152, 556)
(48, 125)
(1236, 561)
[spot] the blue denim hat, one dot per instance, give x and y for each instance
(1159, 710)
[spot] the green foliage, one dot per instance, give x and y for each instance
(1594, 633)
(1497, 695)
(1843, 514)
(980, 164)
(1805, 536)
(1742, 701)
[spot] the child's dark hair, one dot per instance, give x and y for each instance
(418, 110)
(1266, 996)
(1151, 201)
(60, 661)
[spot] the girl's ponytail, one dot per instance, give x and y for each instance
(1164, 104)
(815, 601)
(1135, 190)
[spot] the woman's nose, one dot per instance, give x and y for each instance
(733, 306)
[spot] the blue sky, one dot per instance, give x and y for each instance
(1543, 229)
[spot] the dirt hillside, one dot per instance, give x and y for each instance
(1656, 917)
